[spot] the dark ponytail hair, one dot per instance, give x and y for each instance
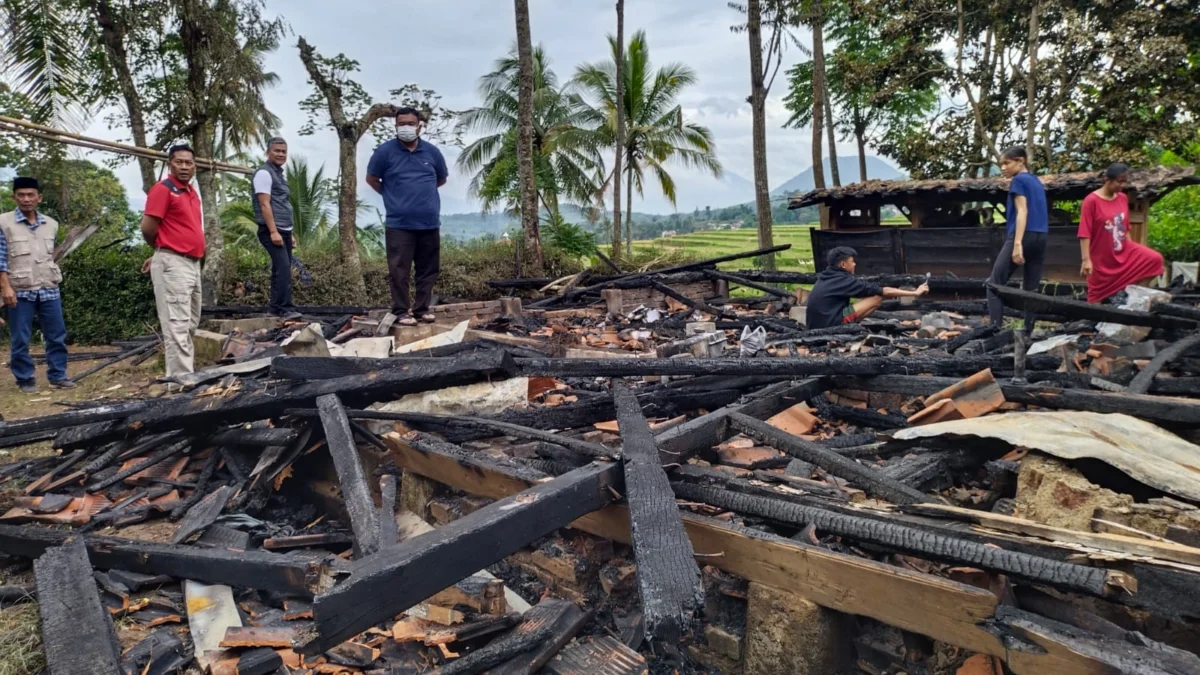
(1115, 171)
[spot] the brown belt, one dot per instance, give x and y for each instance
(181, 255)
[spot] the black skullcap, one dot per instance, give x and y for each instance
(25, 182)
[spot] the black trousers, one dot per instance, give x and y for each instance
(1034, 248)
(406, 248)
(281, 270)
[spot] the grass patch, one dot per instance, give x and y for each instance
(716, 243)
(21, 640)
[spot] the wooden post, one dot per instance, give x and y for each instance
(364, 518)
(1139, 216)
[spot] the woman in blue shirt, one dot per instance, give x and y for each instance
(1028, 226)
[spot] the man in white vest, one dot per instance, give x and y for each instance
(29, 281)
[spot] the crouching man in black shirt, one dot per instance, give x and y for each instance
(829, 303)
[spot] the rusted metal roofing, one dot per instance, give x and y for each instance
(1151, 182)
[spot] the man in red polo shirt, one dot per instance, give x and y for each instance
(172, 225)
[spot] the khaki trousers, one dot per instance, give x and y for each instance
(177, 296)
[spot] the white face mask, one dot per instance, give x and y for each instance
(406, 134)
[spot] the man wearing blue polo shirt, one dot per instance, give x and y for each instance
(408, 171)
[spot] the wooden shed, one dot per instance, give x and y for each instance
(950, 226)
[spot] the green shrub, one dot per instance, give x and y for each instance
(105, 296)
(466, 269)
(1175, 225)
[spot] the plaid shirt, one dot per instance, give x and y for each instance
(40, 294)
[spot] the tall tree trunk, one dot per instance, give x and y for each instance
(214, 242)
(529, 199)
(860, 139)
(629, 210)
(620, 104)
(112, 34)
(818, 116)
(758, 113)
(834, 169)
(348, 209)
(1031, 82)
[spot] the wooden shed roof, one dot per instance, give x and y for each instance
(1152, 182)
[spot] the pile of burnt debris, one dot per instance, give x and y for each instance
(636, 473)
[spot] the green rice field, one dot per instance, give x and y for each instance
(715, 243)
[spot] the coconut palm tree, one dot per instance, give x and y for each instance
(567, 165)
(655, 130)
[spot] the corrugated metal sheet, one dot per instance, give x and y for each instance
(1147, 453)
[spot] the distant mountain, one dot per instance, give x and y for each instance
(877, 169)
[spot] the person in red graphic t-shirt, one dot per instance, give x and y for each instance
(1111, 260)
(171, 224)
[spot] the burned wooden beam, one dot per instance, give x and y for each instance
(668, 577)
(398, 577)
(203, 514)
(388, 534)
(72, 418)
(152, 460)
(250, 569)
(564, 619)
(792, 366)
(642, 277)
(1152, 408)
(1029, 633)
(678, 444)
(264, 437)
(498, 652)
(698, 305)
(870, 480)
(742, 281)
(353, 480)
(423, 420)
(1092, 580)
(77, 633)
(1076, 309)
(356, 390)
(1141, 383)
(932, 606)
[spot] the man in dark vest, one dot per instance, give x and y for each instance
(29, 281)
(273, 213)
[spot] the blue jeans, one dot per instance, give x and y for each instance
(20, 324)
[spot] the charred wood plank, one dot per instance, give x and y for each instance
(152, 460)
(870, 480)
(793, 367)
(1153, 408)
(261, 661)
(564, 619)
(203, 514)
(398, 577)
(698, 305)
(77, 633)
(206, 474)
(1076, 309)
(388, 534)
(72, 418)
(668, 577)
(496, 427)
(864, 417)
(644, 276)
(364, 519)
(678, 444)
(498, 652)
(1175, 309)
(249, 569)
(1092, 580)
(1029, 633)
(307, 540)
(254, 438)
(1141, 383)
(354, 390)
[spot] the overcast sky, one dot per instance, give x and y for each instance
(446, 45)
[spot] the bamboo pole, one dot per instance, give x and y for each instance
(58, 135)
